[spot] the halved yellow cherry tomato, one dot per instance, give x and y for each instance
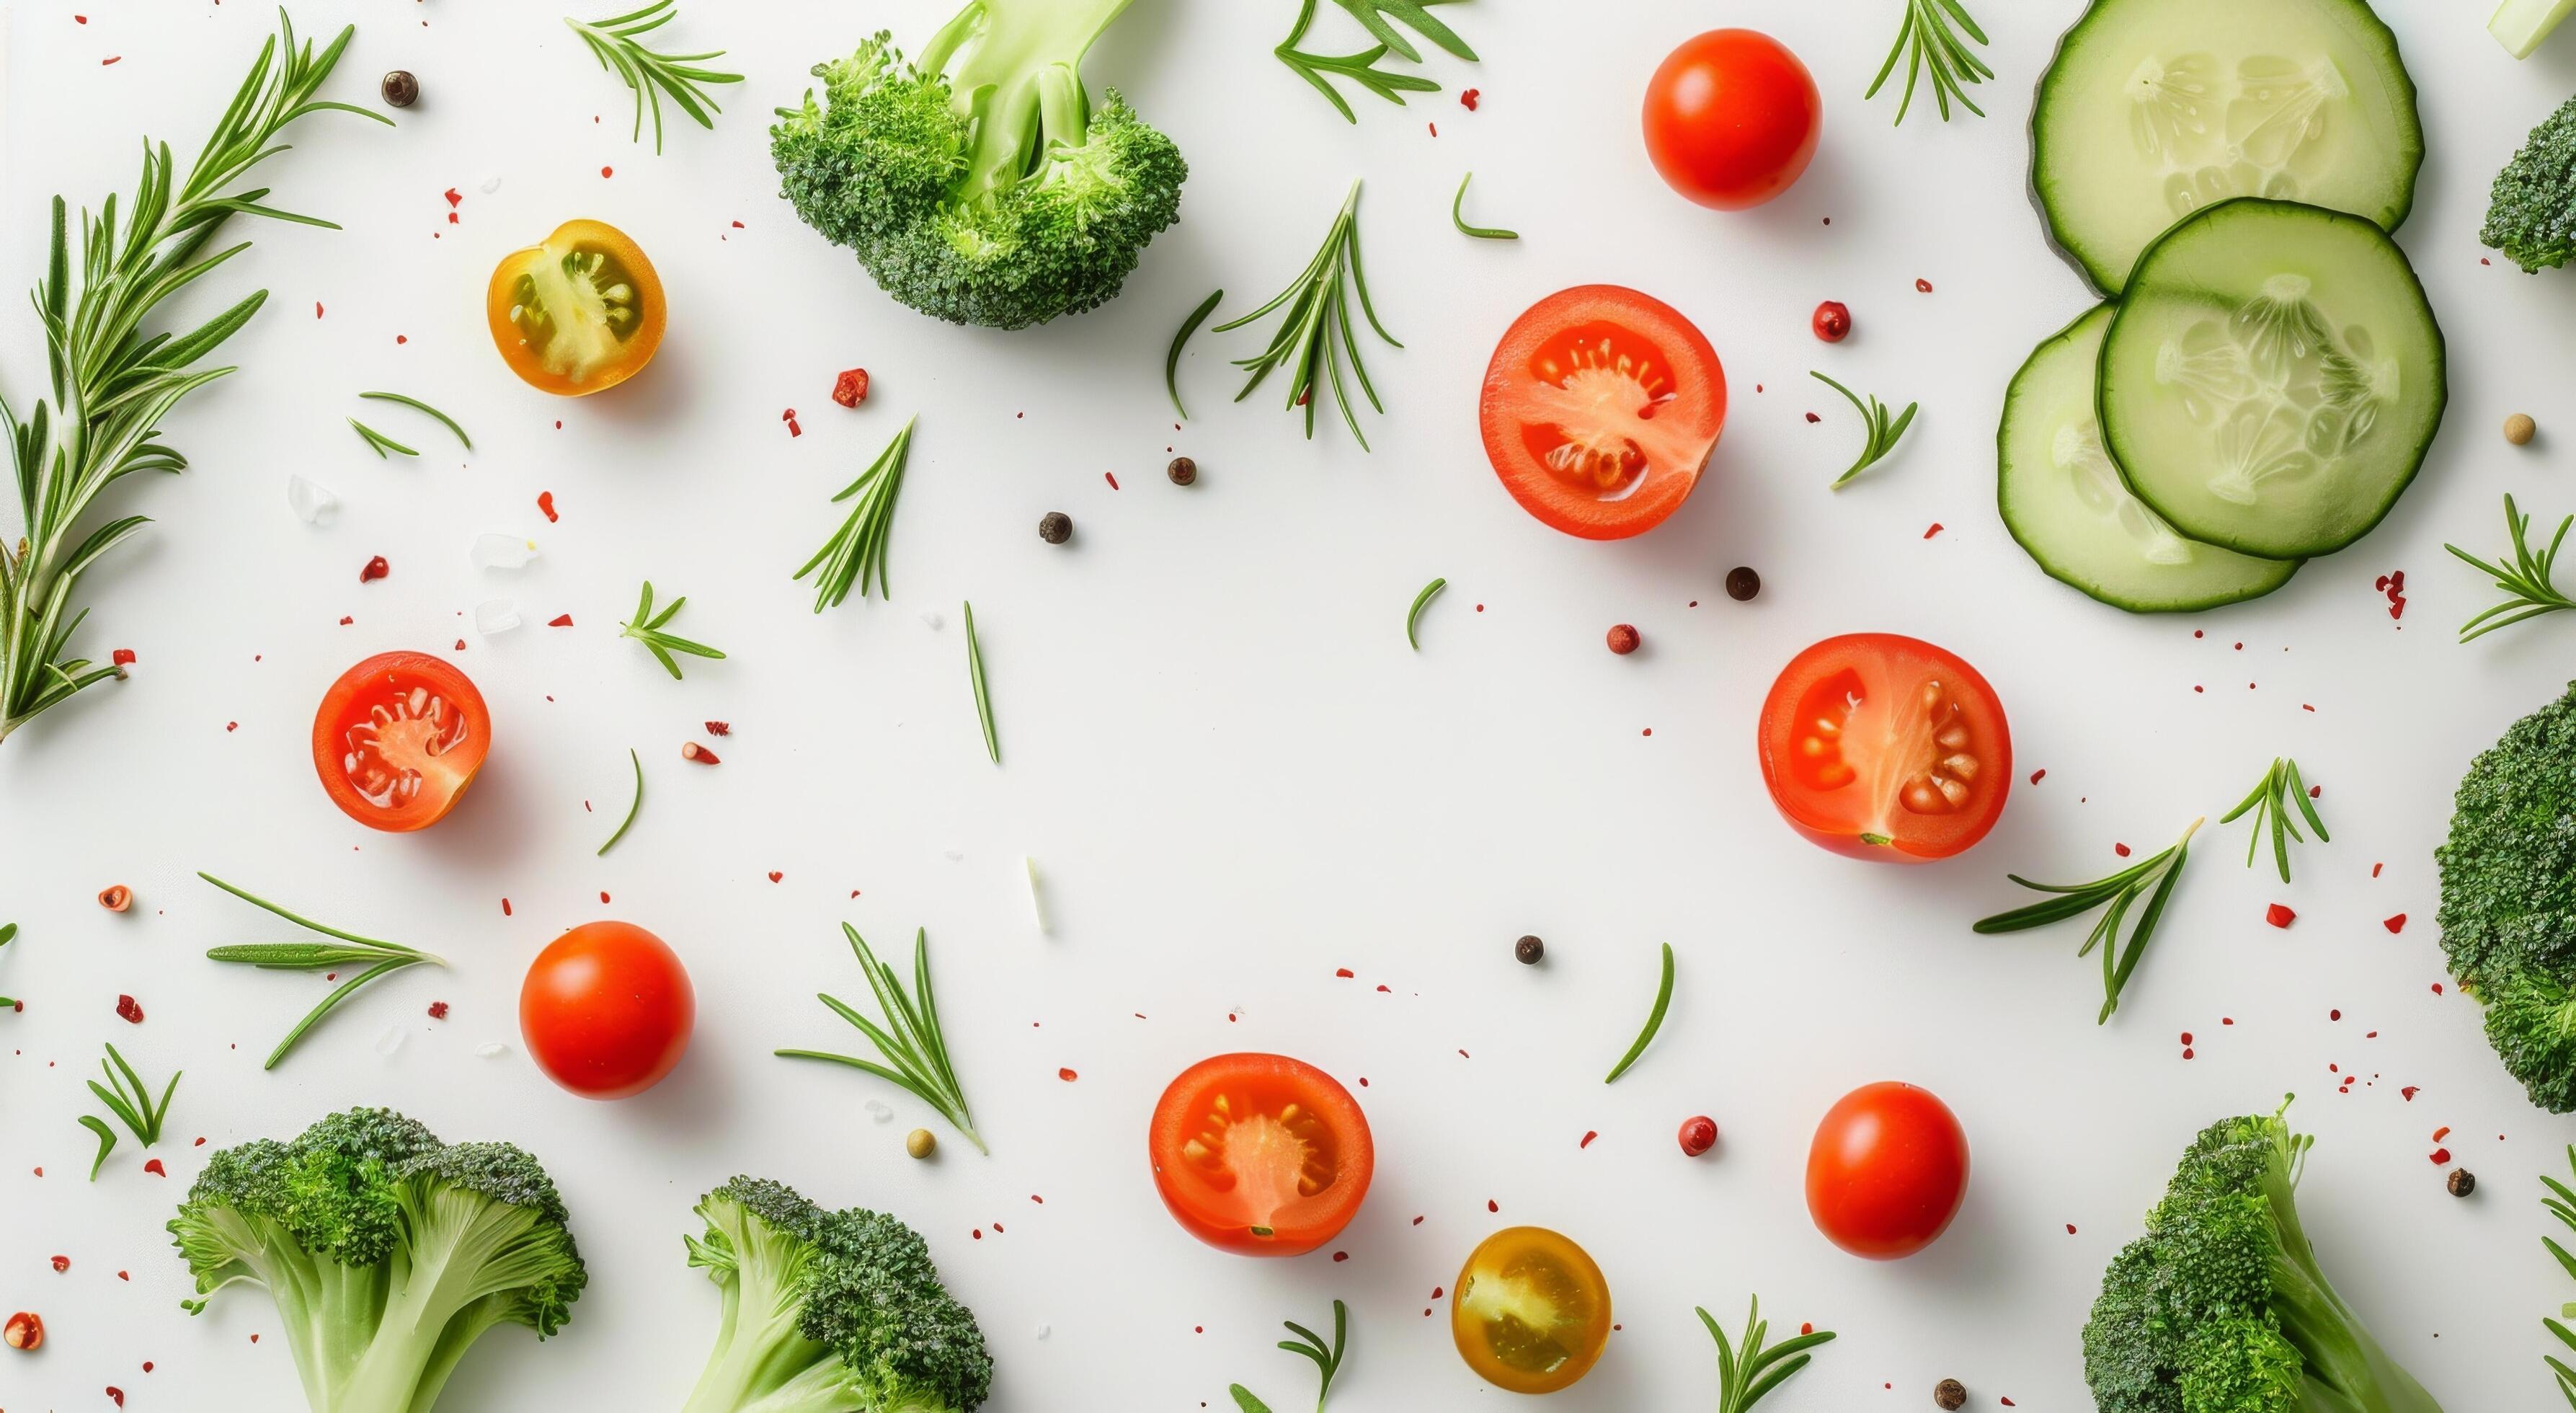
(1530, 1312)
(578, 312)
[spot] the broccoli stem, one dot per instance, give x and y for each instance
(2520, 25)
(1021, 82)
(2347, 1371)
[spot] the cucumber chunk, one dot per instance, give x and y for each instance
(2273, 378)
(2063, 499)
(2154, 109)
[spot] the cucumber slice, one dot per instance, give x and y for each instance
(2154, 109)
(2063, 499)
(2273, 378)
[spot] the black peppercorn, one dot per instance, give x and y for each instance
(2463, 1182)
(1742, 584)
(1055, 527)
(401, 89)
(1183, 471)
(1950, 1393)
(1529, 950)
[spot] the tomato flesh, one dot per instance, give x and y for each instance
(1599, 410)
(1888, 1171)
(398, 738)
(1886, 747)
(1531, 1311)
(607, 1010)
(1261, 1154)
(1732, 119)
(579, 312)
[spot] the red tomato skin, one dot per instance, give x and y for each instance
(1844, 842)
(1888, 1170)
(607, 1010)
(1732, 119)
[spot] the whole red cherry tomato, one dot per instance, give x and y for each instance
(1732, 119)
(607, 1009)
(1887, 1171)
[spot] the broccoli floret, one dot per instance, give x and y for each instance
(2221, 1307)
(829, 1312)
(2531, 215)
(980, 185)
(388, 1252)
(2508, 912)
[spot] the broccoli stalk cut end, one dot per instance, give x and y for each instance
(2520, 25)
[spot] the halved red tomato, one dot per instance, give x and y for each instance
(398, 739)
(1885, 747)
(1600, 408)
(1261, 1154)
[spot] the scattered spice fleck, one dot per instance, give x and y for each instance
(546, 503)
(129, 1010)
(561, 620)
(62, 1264)
(1936, 529)
(1344, 973)
(122, 657)
(851, 388)
(438, 1010)
(376, 568)
(2279, 916)
(1624, 639)
(2440, 1156)
(2038, 775)
(2396, 924)
(1067, 1076)
(2121, 849)
(775, 875)
(154, 1168)
(608, 171)
(2410, 1091)
(692, 751)
(1112, 478)
(1925, 287)
(1468, 99)
(719, 728)
(116, 897)
(1588, 1136)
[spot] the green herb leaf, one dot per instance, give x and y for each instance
(1654, 1020)
(1928, 43)
(646, 628)
(1457, 216)
(416, 403)
(1421, 601)
(383, 959)
(2529, 578)
(983, 693)
(1362, 67)
(631, 810)
(1172, 360)
(106, 1142)
(652, 75)
(1744, 1378)
(1315, 334)
(910, 1040)
(2121, 890)
(2270, 802)
(860, 545)
(1883, 433)
(381, 443)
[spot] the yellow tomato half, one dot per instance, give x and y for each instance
(1530, 1312)
(578, 312)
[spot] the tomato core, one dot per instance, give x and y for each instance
(401, 747)
(1916, 753)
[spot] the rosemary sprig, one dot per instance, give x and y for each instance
(645, 628)
(1742, 1379)
(1307, 1345)
(1172, 360)
(2121, 890)
(631, 810)
(130, 1100)
(2527, 578)
(1315, 334)
(381, 444)
(2270, 801)
(1413, 615)
(417, 405)
(1362, 67)
(983, 693)
(1458, 218)
(113, 380)
(2561, 1203)
(910, 1040)
(1926, 41)
(1883, 434)
(348, 952)
(651, 75)
(1654, 1020)
(860, 544)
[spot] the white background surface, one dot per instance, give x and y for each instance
(1216, 744)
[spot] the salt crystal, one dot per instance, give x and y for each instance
(953, 855)
(493, 550)
(313, 504)
(880, 1110)
(931, 617)
(489, 185)
(1045, 1330)
(390, 1039)
(496, 616)
(490, 1049)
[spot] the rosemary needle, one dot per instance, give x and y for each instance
(1927, 42)
(1309, 1346)
(388, 957)
(1421, 601)
(1172, 361)
(860, 545)
(1745, 1372)
(379, 442)
(416, 403)
(631, 810)
(1654, 1020)
(983, 695)
(1457, 208)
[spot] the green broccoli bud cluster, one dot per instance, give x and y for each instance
(2531, 215)
(2508, 910)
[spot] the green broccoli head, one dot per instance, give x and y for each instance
(2531, 215)
(827, 1312)
(2508, 910)
(980, 186)
(2221, 1307)
(387, 1252)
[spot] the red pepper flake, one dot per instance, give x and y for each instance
(112, 1390)
(1812, 419)
(2375, 868)
(154, 1168)
(692, 751)
(2121, 849)
(62, 1264)
(2039, 775)
(1344, 973)
(851, 388)
(1416, 1221)
(794, 429)
(1925, 287)
(400, 339)
(129, 1010)
(116, 897)
(2186, 1052)
(505, 907)
(122, 657)
(1067, 1076)
(1936, 529)
(438, 1010)
(719, 728)
(608, 171)
(1468, 99)
(2393, 584)
(1435, 128)
(460, 645)
(2335, 1014)
(1588, 1136)
(1383, 989)
(376, 568)
(2279, 916)
(80, 19)
(546, 503)
(2008, 1403)
(2396, 924)
(103, 63)
(2441, 1133)
(2437, 988)
(1492, 1206)
(561, 620)
(2410, 1091)
(317, 309)
(2440, 1156)
(346, 620)
(1112, 477)
(775, 875)
(231, 726)
(1338, 1255)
